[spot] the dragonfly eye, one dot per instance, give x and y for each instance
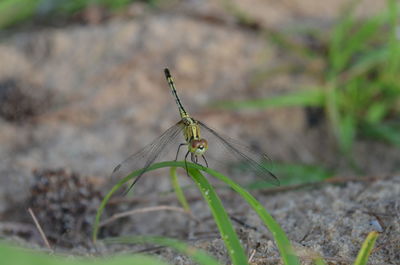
(199, 146)
(203, 143)
(195, 144)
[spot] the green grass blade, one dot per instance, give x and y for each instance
(367, 62)
(280, 237)
(295, 174)
(357, 40)
(198, 255)
(366, 248)
(228, 234)
(337, 40)
(385, 132)
(18, 256)
(312, 98)
(376, 112)
(393, 64)
(178, 190)
(332, 108)
(347, 132)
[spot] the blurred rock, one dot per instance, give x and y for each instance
(65, 206)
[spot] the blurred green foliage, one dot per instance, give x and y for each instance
(362, 89)
(19, 256)
(359, 88)
(13, 12)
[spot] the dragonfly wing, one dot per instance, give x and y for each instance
(147, 155)
(255, 160)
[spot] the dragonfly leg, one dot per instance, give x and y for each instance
(195, 159)
(186, 163)
(205, 160)
(177, 152)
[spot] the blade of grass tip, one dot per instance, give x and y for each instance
(228, 234)
(366, 248)
(178, 190)
(195, 254)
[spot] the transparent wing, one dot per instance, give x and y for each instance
(256, 161)
(148, 155)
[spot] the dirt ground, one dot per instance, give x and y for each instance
(77, 100)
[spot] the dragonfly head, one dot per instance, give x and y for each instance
(198, 147)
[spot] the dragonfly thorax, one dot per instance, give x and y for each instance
(198, 147)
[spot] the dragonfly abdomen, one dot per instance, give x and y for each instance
(171, 84)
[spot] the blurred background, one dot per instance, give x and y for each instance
(314, 84)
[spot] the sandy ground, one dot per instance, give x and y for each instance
(84, 97)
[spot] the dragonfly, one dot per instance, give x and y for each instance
(197, 147)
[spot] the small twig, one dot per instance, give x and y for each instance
(242, 223)
(252, 255)
(146, 210)
(39, 228)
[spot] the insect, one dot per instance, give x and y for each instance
(197, 146)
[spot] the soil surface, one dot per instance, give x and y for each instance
(77, 100)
